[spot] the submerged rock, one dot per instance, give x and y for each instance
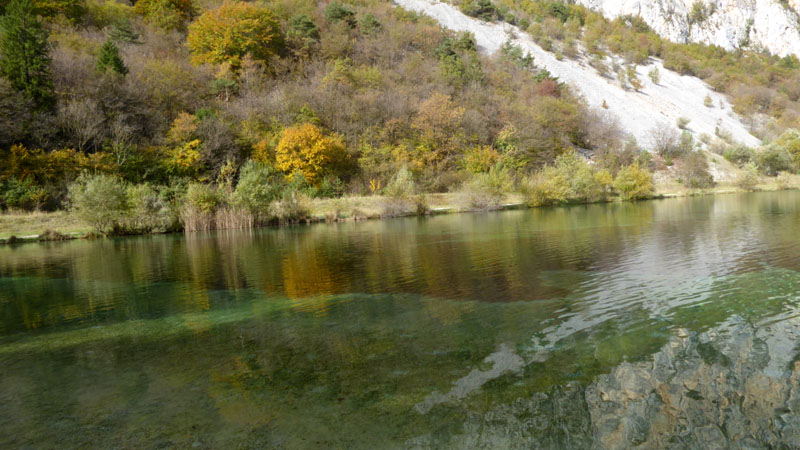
(708, 390)
(700, 391)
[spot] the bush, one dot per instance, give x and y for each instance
(369, 25)
(773, 159)
(739, 155)
(571, 179)
(294, 204)
(486, 190)
(548, 187)
(693, 172)
(748, 179)
(202, 197)
(790, 141)
(482, 9)
(200, 206)
(400, 196)
(259, 185)
(22, 194)
(682, 122)
(101, 201)
(337, 12)
(655, 75)
(149, 210)
(167, 14)
(633, 183)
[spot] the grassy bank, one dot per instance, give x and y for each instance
(46, 226)
(18, 227)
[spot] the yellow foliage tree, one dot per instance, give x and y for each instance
(227, 34)
(167, 14)
(438, 121)
(307, 149)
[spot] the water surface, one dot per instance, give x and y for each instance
(530, 329)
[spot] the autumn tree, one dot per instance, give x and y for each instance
(307, 149)
(235, 29)
(24, 53)
(167, 14)
(438, 122)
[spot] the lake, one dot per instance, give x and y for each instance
(668, 323)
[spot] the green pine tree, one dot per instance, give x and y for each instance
(24, 53)
(122, 31)
(109, 59)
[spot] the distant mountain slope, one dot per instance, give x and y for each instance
(675, 95)
(771, 25)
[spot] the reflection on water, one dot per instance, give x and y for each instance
(664, 324)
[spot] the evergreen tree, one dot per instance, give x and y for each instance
(109, 59)
(24, 53)
(122, 31)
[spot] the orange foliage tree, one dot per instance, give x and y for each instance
(227, 34)
(307, 149)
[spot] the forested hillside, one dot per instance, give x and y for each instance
(168, 114)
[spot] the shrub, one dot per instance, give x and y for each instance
(101, 201)
(773, 159)
(748, 178)
(585, 183)
(369, 25)
(682, 122)
(294, 204)
(149, 210)
(693, 171)
(259, 185)
(633, 78)
(22, 194)
(400, 195)
(337, 12)
(548, 187)
(516, 55)
(482, 9)
(486, 190)
(167, 14)
(790, 141)
(571, 179)
(699, 12)
(633, 183)
(236, 29)
(664, 140)
(738, 155)
(306, 148)
(655, 75)
(202, 197)
(302, 27)
(200, 206)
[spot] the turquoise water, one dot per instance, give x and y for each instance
(414, 332)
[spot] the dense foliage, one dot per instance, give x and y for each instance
(203, 112)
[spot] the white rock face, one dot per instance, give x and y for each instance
(761, 24)
(638, 112)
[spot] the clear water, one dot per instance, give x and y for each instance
(379, 334)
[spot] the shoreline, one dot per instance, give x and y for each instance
(441, 204)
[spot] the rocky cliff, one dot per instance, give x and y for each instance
(770, 25)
